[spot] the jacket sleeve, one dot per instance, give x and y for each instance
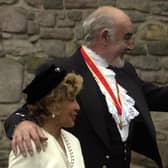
(14, 119)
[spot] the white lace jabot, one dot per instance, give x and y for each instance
(128, 110)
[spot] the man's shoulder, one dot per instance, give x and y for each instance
(129, 68)
(126, 68)
(60, 62)
(66, 62)
(128, 65)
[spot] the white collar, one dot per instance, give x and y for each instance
(97, 58)
(101, 62)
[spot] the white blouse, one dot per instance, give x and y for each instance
(52, 155)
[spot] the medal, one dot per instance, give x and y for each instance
(120, 124)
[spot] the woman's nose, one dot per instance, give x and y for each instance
(76, 104)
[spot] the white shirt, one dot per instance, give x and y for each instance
(128, 110)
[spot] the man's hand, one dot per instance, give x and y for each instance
(24, 132)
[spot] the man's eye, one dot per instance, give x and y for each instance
(128, 36)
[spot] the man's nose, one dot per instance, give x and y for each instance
(130, 45)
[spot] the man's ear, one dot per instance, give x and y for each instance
(105, 36)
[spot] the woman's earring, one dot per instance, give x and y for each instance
(53, 115)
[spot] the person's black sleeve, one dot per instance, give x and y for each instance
(14, 119)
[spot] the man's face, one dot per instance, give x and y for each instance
(120, 45)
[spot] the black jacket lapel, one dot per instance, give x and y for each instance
(91, 91)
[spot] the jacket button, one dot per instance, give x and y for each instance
(107, 157)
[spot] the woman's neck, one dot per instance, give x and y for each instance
(51, 127)
(55, 131)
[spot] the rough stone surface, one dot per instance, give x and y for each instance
(53, 48)
(7, 2)
(72, 4)
(137, 16)
(152, 31)
(146, 63)
(33, 31)
(46, 19)
(106, 2)
(59, 33)
(164, 63)
(34, 3)
(70, 49)
(11, 74)
(13, 20)
(139, 49)
(75, 15)
(158, 48)
(34, 62)
(134, 4)
(18, 47)
(160, 7)
(50, 4)
(65, 23)
(32, 27)
(2, 52)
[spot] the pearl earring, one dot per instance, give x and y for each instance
(53, 115)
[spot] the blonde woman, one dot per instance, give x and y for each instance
(51, 100)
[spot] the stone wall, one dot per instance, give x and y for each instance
(33, 31)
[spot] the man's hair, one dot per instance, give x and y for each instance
(67, 90)
(96, 22)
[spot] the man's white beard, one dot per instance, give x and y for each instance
(118, 62)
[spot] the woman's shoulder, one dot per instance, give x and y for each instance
(20, 161)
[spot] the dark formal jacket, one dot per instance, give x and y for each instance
(91, 127)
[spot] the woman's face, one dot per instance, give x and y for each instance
(68, 113)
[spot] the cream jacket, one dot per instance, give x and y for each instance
(52, 155)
